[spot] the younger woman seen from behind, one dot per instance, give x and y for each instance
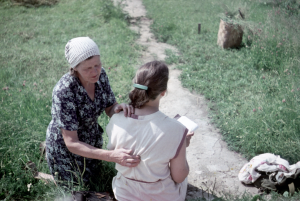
(160, 142)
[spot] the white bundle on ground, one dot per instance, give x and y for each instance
(266, 163)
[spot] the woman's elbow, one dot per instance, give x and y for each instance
(179, 180)
(181, 177)
(71, 146)
(70, 139)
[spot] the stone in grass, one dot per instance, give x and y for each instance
(39, 175)
(76, 195)
(229, 35)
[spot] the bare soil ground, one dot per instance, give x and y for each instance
(213, 167)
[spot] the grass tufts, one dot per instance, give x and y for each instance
(254, 91)
(34, 3)
(31, 62)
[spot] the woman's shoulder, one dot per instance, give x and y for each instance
(174, 123)
(66, 83)
(103, 76)
(103, 73)
(118, 118)
(157, 117)
(168, 123)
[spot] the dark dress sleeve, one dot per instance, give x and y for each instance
(64, 108)
(109, 93)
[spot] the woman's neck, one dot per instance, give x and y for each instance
(149, 108)
(85, 84)
(89, 88)
(145, 110)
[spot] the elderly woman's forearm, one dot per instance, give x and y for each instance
(80, 148)
(88, 151)
(120, 156)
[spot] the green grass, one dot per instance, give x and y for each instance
(254, 91)
(32, 53)
(247, 197)
(235, 81)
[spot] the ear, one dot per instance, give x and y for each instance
(163, 93)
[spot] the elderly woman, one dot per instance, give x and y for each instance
(74, 138)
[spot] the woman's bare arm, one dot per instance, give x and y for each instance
(121, 156)
(179, 166)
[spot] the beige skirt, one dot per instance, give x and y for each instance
(163, 190)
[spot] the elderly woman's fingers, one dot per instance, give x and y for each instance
(131, 164)
(135, 157)
(127, 151)
(129, 155)
(124, 157)
(132, 159)
(118, 108)
(131, 109)
(126, 109)
(122, 107)
(129, 160)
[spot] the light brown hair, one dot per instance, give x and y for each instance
(155, 76)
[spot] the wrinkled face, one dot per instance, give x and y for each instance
(89, 70)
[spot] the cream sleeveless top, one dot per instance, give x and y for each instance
(157, 139)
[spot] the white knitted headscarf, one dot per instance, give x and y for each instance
(79, 49)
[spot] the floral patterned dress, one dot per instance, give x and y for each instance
(73, 110)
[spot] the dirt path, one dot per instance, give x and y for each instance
(213, 168)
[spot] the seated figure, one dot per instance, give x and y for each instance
(159, 140)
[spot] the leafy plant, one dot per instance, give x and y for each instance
(110, 11)
(291, 6)
(234, 13)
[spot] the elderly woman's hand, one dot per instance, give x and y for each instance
(125, 158)
(128, 109)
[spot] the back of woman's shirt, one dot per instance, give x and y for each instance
(156, 138)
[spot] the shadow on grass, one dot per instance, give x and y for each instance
(197, 194)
